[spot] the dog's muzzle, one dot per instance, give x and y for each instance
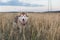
(23, 20)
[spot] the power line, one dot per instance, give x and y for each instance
(49, 5)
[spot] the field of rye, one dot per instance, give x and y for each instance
(41, 26)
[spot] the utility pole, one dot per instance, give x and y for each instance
(49, 5)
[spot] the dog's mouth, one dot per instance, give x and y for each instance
(23, 21)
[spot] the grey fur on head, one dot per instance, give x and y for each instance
(22, 18)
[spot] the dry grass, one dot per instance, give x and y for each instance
(41, 27)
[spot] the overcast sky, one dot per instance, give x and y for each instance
(29, 5)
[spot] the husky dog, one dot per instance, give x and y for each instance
(21, 21)
(22, 18)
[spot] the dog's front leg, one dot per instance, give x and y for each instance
(20, 26)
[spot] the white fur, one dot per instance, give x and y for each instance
(20, 20)
(21, 26)
(23, 17)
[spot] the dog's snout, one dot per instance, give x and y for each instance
(23, 20)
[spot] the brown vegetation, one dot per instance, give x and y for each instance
(41, 27)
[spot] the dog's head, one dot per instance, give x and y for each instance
(23, 19)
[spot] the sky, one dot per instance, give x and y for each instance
(29, 5)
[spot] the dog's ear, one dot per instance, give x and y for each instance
(19, 15)
(16, 19)
(27, 15)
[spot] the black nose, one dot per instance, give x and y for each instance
(23, 19)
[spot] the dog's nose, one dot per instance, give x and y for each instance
(23, 20)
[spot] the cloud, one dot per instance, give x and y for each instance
(25, 9)
(39, 2)
(4, 1)
(55, 6)
(22, 8)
